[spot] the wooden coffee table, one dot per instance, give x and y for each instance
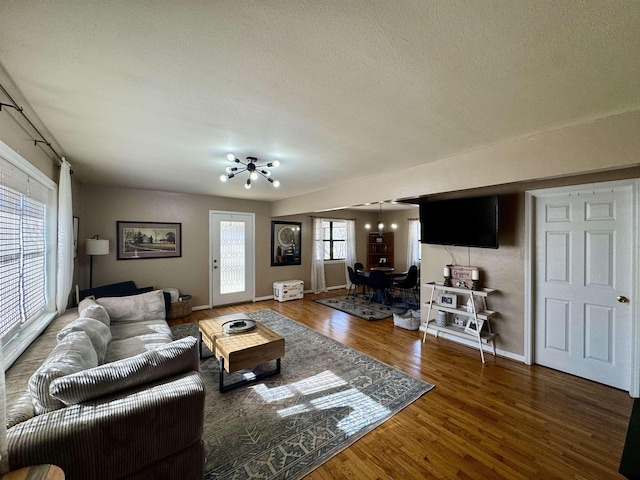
(36, 472)
(239, 351)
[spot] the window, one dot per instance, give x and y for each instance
(27, 254)
(22, 262)
(334, 238)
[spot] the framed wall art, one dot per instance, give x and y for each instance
(141, 240)
(285, 243)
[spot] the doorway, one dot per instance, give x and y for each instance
(232, 257)
(581, 282)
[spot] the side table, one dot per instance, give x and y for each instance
(36, 472)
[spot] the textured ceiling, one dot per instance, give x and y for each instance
(153, 94)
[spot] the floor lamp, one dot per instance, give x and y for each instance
(95, 246)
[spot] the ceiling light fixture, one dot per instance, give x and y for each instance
(254, 170)
(380, 224)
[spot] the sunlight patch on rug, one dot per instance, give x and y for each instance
(326, 397)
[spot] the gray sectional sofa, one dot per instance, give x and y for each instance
(106, 393)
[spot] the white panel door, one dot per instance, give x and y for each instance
(232, 257)
(583, 278)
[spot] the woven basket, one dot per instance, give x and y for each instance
(181, 308)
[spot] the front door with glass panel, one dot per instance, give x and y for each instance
(232, 257)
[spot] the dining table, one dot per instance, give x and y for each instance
(390, 273)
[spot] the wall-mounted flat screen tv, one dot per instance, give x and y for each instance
(466, 222)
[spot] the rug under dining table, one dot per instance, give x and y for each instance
(362, 308)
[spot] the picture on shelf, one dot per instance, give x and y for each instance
(448, 300)
(474, 326)
(459, 320)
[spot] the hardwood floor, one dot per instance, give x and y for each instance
(501, 420)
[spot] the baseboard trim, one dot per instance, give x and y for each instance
(469, 343)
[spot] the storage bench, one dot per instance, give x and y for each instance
(288, 290)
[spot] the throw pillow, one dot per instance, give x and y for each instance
(85, 303)
(179, 356)
(99, 313)
(73, 354)
(146, 306)
(98, 332)
(88, 308)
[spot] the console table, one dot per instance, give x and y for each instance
(477, 318)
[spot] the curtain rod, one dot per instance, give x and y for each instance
(332, 218)
(413, 219)
(15, 106)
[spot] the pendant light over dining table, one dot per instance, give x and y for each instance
(251, 166)
(380, 224)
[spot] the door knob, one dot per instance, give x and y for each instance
(622, 299)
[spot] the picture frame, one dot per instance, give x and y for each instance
(286, 239)
(459, 321)
(461, 276)
(474, 326)
(448, 300)
(145, 240)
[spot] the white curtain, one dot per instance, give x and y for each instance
(350, 254)
(318, 283)
(413, 243)
(65, 239)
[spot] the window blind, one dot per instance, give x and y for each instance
(23, 247)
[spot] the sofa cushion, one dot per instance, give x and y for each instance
(98, 332)
(146, 306)
(73, 354)
(146, 328)
(168, 360)
(129, 339)
(21, 410)
(88, 308)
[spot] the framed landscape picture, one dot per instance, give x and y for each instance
(141, 240)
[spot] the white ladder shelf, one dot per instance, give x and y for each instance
(483, 337)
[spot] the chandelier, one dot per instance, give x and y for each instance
(254, 170)
(380, 224)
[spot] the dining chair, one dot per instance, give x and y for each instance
(379, 286)
(408, 283)
(354, 282)
(362, 279)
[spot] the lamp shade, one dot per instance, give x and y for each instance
(96, 246)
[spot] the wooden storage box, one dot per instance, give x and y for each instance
(181, 308)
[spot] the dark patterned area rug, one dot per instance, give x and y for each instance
(326, 397)
(360, 307)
